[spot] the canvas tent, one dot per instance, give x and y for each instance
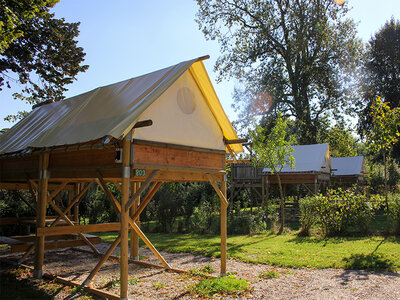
(136, 134)
(348, 169)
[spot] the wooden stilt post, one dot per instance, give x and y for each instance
(224, 207)
(41, 213)
(126, 171)
(76, 206)
(315, 185)
(134, 251)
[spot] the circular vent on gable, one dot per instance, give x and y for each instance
(186, 100)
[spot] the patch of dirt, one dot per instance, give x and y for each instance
(154, 283)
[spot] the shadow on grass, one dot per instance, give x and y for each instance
(318, 240)
(370, 262)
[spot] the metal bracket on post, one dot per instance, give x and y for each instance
(126, 172)
(44, 174)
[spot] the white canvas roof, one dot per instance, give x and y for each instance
(308, 159)
(347, 166)
(180, 100)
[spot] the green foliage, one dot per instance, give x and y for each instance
(202, 272)
(97, 207)
(297, 57)
(341, 141)
(158, 285)
(246, 222)
(308, 214)
(274, 150)
(385, 130)
(14, 14)
(39, 50)
(228, 285)
(381, 75)
(203, 218)
(340, 211)
(268, 275)
(394, 209)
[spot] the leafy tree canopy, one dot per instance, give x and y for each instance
(381, 75)
(341, 141)
(37, 51)
(297, 57)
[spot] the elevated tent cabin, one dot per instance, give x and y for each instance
(348, 170)
(165, 126)
(311, 170)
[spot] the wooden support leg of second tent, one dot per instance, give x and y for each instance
(41, 213)
(126, 171)
(224, 205)
(134, 251)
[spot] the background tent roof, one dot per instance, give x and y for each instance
(345, 166)
(309, 158)
(108, 111)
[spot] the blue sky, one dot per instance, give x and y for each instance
(131, 38)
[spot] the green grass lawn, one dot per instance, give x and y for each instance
(288, 250)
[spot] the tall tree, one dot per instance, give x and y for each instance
(381, 75)
(299, 53)
(39, 52)
(274, 150)
(384, 133)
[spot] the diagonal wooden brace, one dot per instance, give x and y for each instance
(132, 223)
(102, 261)
(145, 184)
(216, 188)
(55, 207)
(73, 202)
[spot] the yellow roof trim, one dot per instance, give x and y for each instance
(202, 79)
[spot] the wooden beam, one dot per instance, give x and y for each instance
(107, 191)
(55, 244)
(56, 191)
(124, 247)
(137, 229)
(134, 247)
(219, 192)
(140, 190)
(235, 141)
(61, 230)
(41, 213)
(224, 206)
(55, 207)
(73, 202)
(102, 261)
(231, 153)
(154, 188)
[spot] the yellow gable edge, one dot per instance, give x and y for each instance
(202, 79)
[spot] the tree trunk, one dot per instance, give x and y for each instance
(386, 193)
(282, 205)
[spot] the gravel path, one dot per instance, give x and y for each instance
(153, 283)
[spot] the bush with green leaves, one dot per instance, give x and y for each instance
(339, 212)
(394, 209)
(203, 218)
(308, 214)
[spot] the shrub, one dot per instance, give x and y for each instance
(202, 218)
(394, 211)
(338, 212)
(308, 211)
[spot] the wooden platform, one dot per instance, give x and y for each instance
(23, 243)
